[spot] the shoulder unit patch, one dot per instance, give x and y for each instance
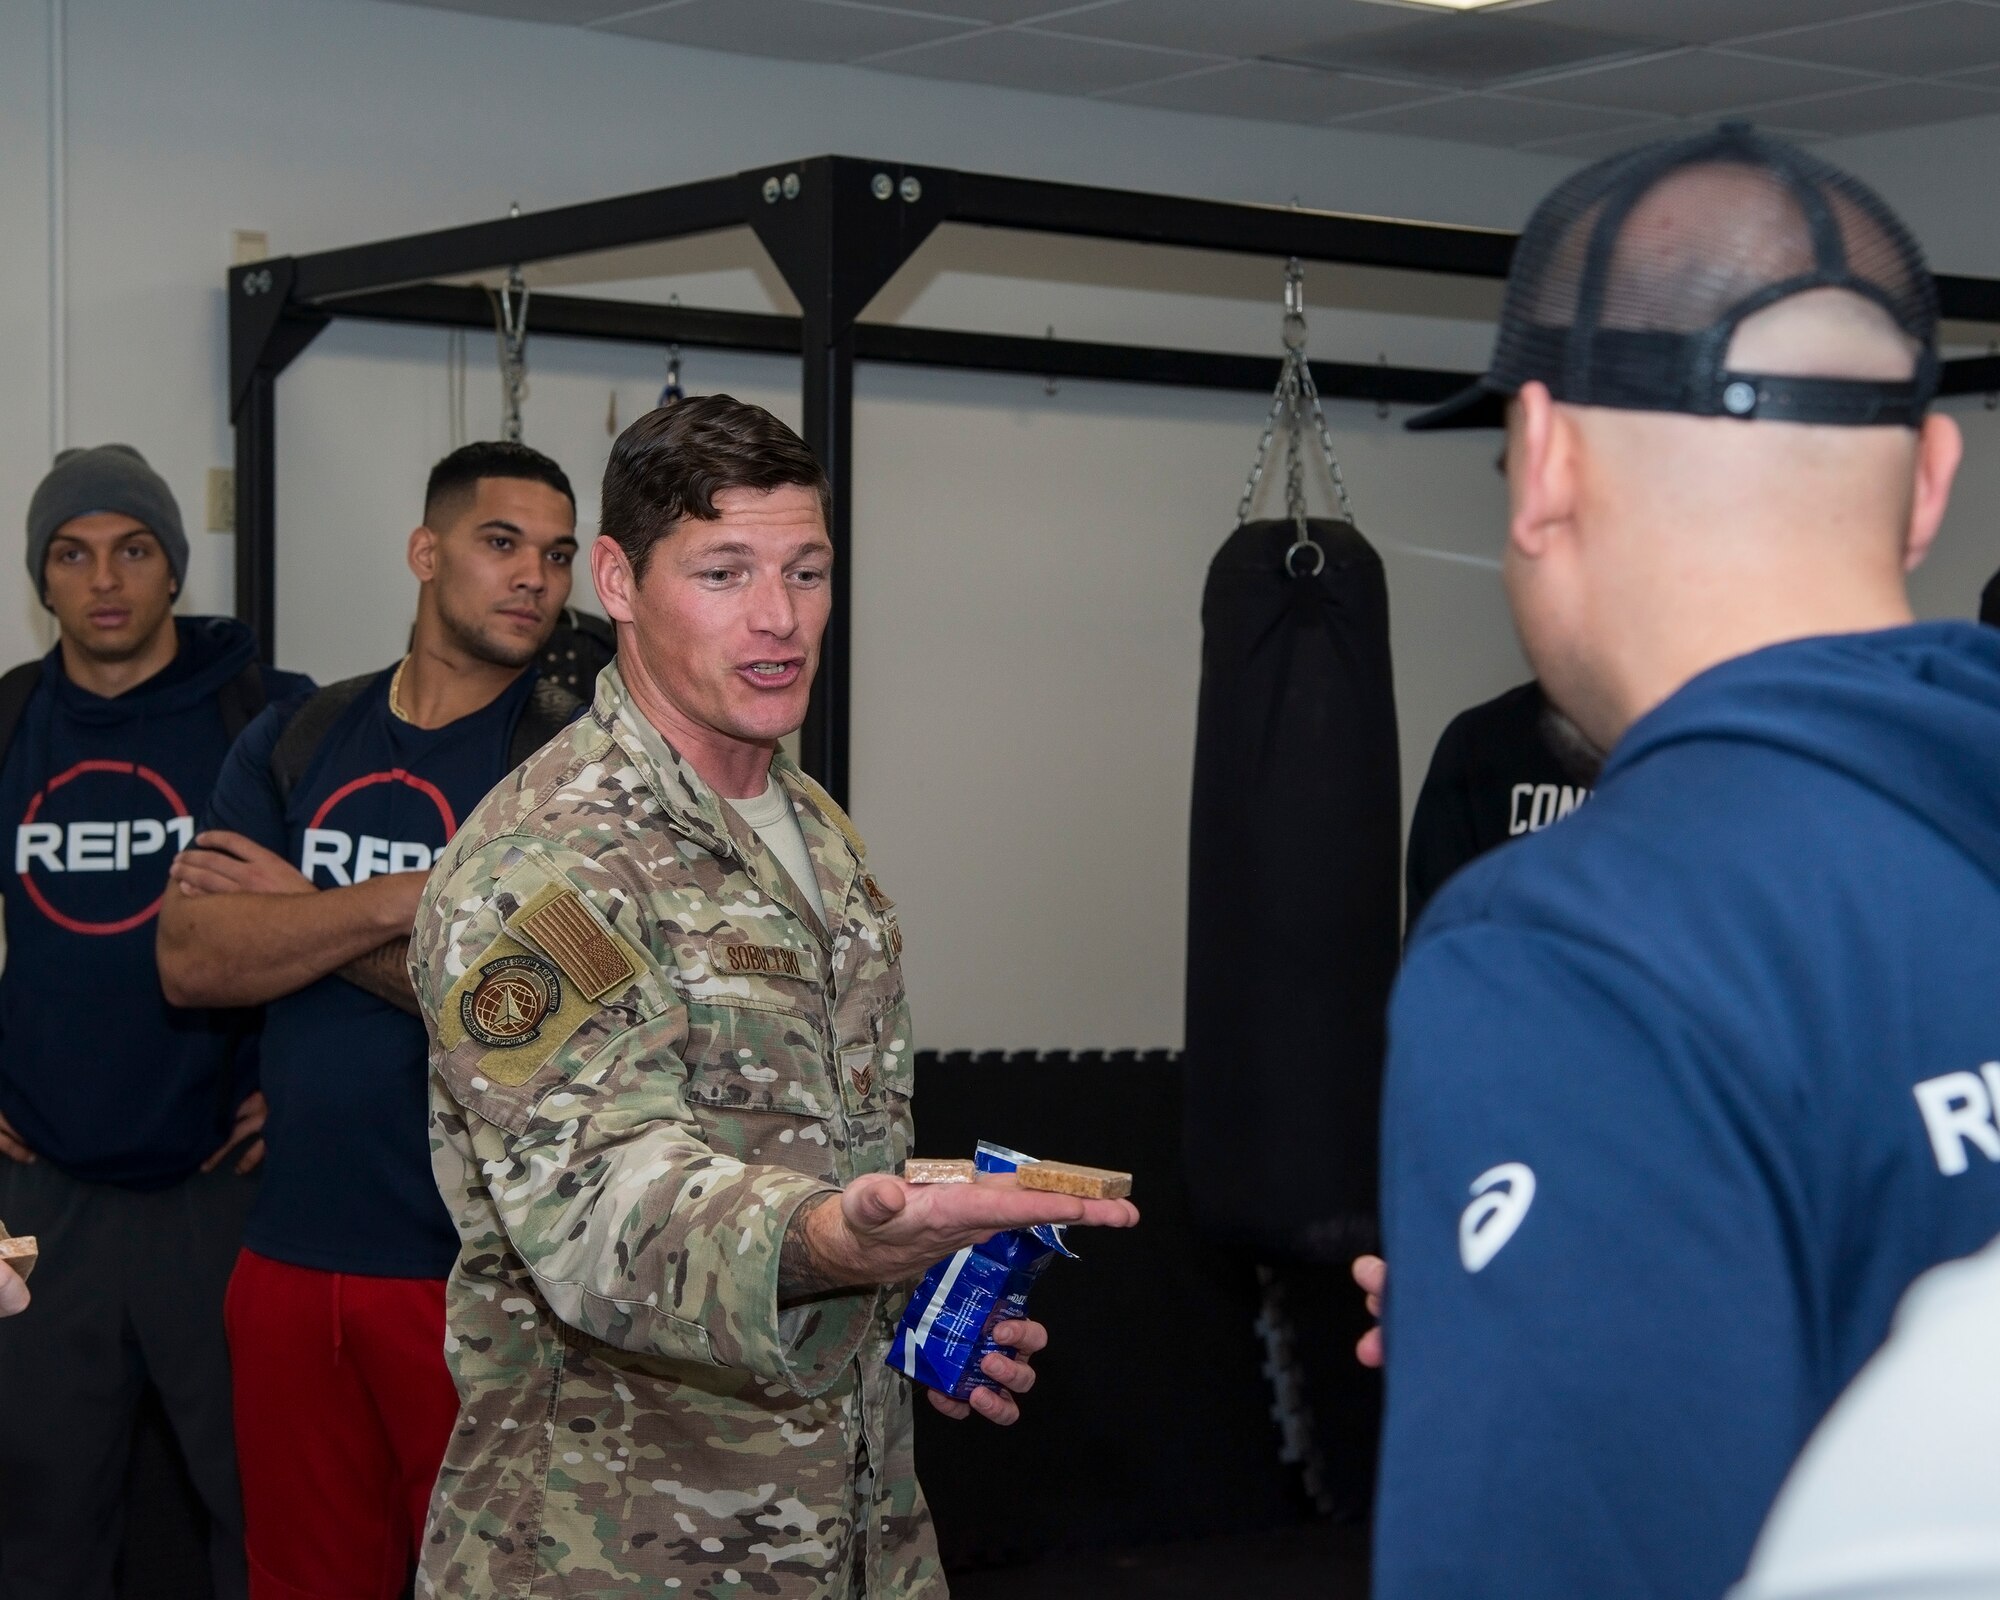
(506, 1008)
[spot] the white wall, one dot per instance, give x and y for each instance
(1940, 180)
(1028, 566)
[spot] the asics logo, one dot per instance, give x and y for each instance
(1501, 1197)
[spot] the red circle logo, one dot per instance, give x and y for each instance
(393, 775)
(34, 890)
(340, 852)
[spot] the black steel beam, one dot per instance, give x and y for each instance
(838, 230)
(645, 218)
(1241, 229)
(1968, 299)
(827, 383)
(1970, 375)
(267, 333)
(642, 322)
(443, 305)
(1124, 363)
(256, 510)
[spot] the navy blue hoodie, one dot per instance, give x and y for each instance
(97, 1072)
(1681, 1097)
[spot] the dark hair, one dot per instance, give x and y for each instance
(673, 462)
(455, 480)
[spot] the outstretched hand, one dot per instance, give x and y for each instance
(891, 1231)
(880, 1229)
(13, 1292)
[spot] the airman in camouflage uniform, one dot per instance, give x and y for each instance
(629, 1000)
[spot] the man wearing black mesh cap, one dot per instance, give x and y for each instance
(1684, 1093)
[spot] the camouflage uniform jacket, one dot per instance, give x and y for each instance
(646, 1052)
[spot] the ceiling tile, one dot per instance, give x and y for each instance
(1466, 51)
(1894, 105)
(1689, 83)
(1050, 63)
(1274, 93)
(1615, 141)
(1232, 27)
(984, 10)
(535, 10)
(1912, 43)
(1602, 142)
(795, 30)
(1699, 21)
(1489, 119)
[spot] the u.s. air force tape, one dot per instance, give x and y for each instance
(539, 981)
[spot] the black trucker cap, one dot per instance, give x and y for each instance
(1631, 279)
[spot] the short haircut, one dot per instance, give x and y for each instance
(673, 462)
(455, 480)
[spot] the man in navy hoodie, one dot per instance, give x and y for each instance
(117, 1109)
(1683, 1094)
(300, 895)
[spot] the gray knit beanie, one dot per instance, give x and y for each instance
(108, 477)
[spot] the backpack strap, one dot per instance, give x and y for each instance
(16, 687)
(241, 698)
(307, 731)
(550, 709)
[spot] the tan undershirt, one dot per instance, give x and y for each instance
(777, 824)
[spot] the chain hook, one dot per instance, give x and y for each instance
(672, 390)
(1295, 306)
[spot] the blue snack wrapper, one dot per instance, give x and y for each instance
(947, 1328)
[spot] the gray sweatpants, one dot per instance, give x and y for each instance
(128, 1289)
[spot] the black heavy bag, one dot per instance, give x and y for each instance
(580, 646)
(1293, 893)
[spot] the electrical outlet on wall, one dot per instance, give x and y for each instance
(221, 500)
(247, 245)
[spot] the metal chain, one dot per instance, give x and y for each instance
(1326, 445)
(510, 330)
(1263, 455)
(1296, 396)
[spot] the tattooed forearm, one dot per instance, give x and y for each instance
(385, 973)
(801, 1274)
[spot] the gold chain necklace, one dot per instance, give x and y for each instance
(395, 697)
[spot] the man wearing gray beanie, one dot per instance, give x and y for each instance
(127, 1126)
(105, 478)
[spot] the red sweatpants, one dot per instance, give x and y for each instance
(343, 1410)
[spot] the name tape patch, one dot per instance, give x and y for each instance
(765, 960)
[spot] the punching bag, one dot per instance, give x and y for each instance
(1294, 904)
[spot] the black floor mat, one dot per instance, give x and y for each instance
(1315, 1561)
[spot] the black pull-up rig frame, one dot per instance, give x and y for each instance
(837, 228)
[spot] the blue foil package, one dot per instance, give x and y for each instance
(947, 1328)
